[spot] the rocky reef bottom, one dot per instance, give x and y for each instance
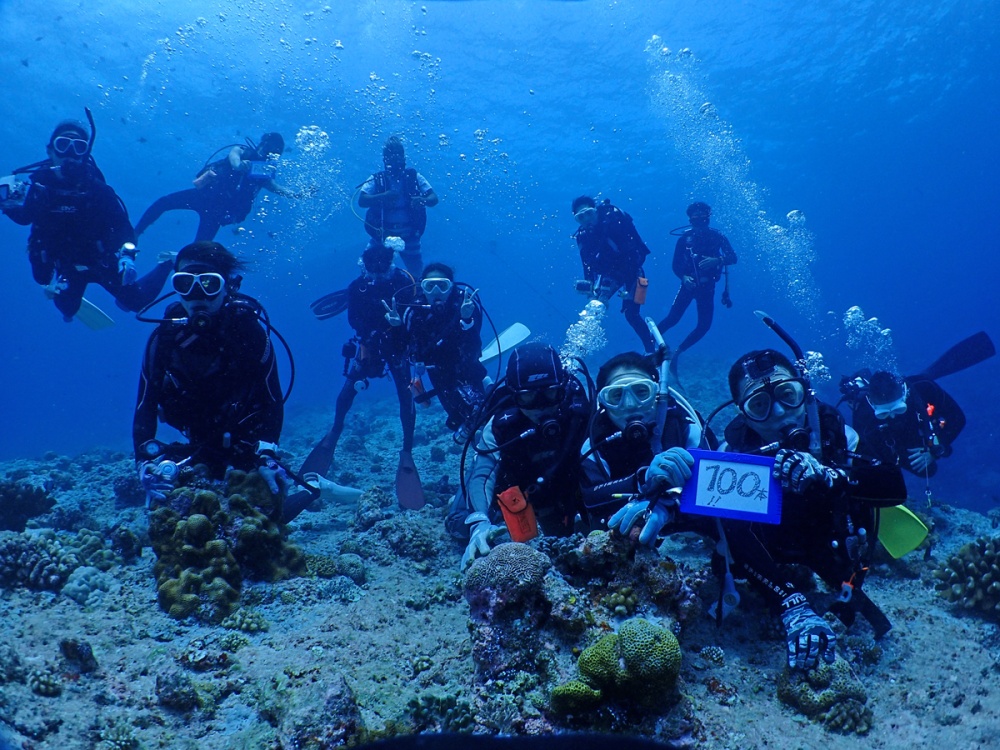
(366, 629)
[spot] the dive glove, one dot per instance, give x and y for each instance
(270, 470)
(672, 468)
(921, 459)
(126, 264)
(809, 636)
(158, 478)
(480, 533)
(797, 471)
(656, 515)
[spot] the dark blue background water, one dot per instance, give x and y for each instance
(876, 120)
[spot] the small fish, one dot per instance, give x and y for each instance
(24, 61)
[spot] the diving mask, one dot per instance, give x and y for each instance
(436, 289)
(63, 145)
(891, 409)
(211, 284)
(758, 404)
(635, 397)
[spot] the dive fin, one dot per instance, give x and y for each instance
(900, 530)
(508, 339)
(409, 492)
(964, 354)
(93, 317)
(330, 305)
(319, 459)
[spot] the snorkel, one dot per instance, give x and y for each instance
(93, 131)
(665, 392)
(812, 409)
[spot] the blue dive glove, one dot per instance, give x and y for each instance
(809, 636)
(158, 478)
(126, 264)
(269, 468)
(672, 468)
(655, 515)
(797, 471)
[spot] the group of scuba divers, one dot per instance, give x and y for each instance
(547, 448)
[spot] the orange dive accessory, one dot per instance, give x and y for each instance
(641, 287)
(518, 515)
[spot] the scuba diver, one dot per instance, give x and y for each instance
(378, 348)
(224, 190)
(526, 465)
(210, 372)
(636, 457)
(80, 230)
(701, 256)
(829, 511)
(396, 199)
(612, 253)
(906, 422)
(443, 328)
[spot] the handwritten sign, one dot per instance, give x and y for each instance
(732, 485)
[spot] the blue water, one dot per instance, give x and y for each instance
(877, 121)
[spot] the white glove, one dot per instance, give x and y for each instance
(797, 471)
(392, 315)
(921, 459)
(480, 533)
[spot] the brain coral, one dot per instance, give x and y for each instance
(507, 576)
(971, 577)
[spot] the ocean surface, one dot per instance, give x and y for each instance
(874, 121)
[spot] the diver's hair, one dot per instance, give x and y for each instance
(438, 270)
(69, 126)
(393, 145)
(738, 371)
(698, 208)
(211, 254)
(372, 256)
(583, 200)
(270, 143)
(630, 360)
(884, 387)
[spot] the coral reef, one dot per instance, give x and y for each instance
(971, 577)
(639, 664)
(11, 668)
(176, 691)
(21, 501)
(204, 553)
(35, 560)
(44, 681)
(830, 694)
(373, 506)
(78, 654)
(86, 582)
(437, 713)
(326, 719)
(118, 737)
(246, 620)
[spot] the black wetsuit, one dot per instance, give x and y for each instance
(695, 245)
(218, 385)
(555, 461)
(377, 348)
(78, 224)
(612, 251)
(618, 466)
(932, 420)
(813, 521)
(449, 348)
(224, 199)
